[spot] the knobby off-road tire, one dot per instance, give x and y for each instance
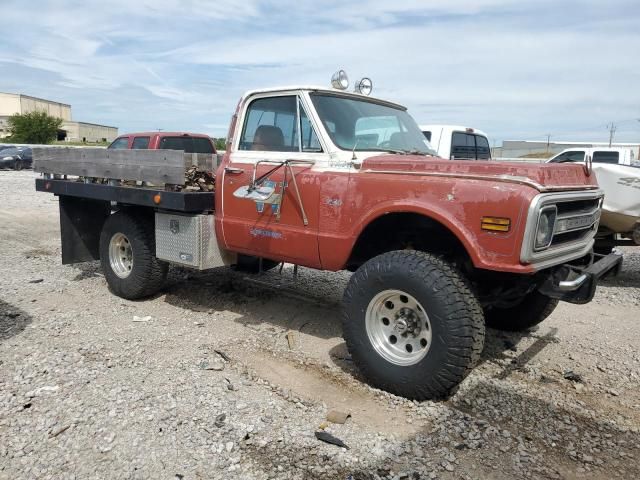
(127, 256)
(532, 310)
(418, 289)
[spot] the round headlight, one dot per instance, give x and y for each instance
(546, 224)
(364, 86)
(340, 80)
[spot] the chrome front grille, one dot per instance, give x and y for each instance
(578, 215)
(576, 220)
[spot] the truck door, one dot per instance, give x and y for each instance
(274, 130)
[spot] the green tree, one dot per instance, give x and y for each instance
(33, 127)
(220, 143)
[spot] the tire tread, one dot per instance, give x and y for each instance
(464, 323)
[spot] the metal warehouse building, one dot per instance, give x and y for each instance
(72, 131)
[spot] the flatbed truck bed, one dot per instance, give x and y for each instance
(185, 201)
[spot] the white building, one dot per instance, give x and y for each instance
(72, 131)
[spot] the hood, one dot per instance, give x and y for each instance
(542, 176)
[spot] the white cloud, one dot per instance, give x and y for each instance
(514, 69)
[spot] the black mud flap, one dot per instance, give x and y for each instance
(81, 222)
(574, 285)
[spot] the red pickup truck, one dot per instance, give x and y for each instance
(187, 142)
(333, 180)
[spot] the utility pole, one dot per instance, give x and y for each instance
(548, 138)
(612, 130)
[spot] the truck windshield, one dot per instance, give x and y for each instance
(363, 125)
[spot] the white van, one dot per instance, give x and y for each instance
(457, 143)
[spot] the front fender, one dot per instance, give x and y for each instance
(457, 205)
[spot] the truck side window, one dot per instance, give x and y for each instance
(184, 143)
(270, 125)
(120, 143)
(560, 158)
(187, 143)
(202, 145)
(483, 152)
(606, 157)
(577, 156)
(463, 146)
(140, 143)
(310, 142)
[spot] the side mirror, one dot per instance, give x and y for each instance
(257, 194)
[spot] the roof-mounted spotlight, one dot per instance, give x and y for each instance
(340, 80)
(364, 86)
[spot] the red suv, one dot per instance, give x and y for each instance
(189, 142)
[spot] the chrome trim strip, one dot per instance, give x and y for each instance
(571, 285)
(565, 252)
(493, 178)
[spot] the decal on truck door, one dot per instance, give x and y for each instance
(274, 206)
(263, 232)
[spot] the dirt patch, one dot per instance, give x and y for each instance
(37, 252)
(310, 383)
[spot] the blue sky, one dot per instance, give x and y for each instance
(516, 69)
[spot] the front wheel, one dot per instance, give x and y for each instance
(530, 311)
(17, 165)
(127, 256)
(412, 325)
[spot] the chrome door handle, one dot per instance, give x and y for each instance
(233, 170)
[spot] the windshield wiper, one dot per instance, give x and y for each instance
(389, 150)
(418, 152)
(396, 151)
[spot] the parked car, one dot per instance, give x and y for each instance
(457, 143)
(610, 155)
(16, 158)
(614, 167)
(189, 142)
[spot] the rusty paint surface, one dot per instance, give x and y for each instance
(340, 204)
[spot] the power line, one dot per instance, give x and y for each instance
(585, 129)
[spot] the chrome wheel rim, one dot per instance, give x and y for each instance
(398, 327)
(120, 255)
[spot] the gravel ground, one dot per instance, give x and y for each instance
(230, 376)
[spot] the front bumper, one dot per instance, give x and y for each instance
(7, 163)
(578, 285)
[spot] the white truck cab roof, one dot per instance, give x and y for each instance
(457, 142)
(315, 88)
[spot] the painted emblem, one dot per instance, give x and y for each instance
(174, 226)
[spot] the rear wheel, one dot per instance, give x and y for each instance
(530, 311)
(412, 325)
(127, 256)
